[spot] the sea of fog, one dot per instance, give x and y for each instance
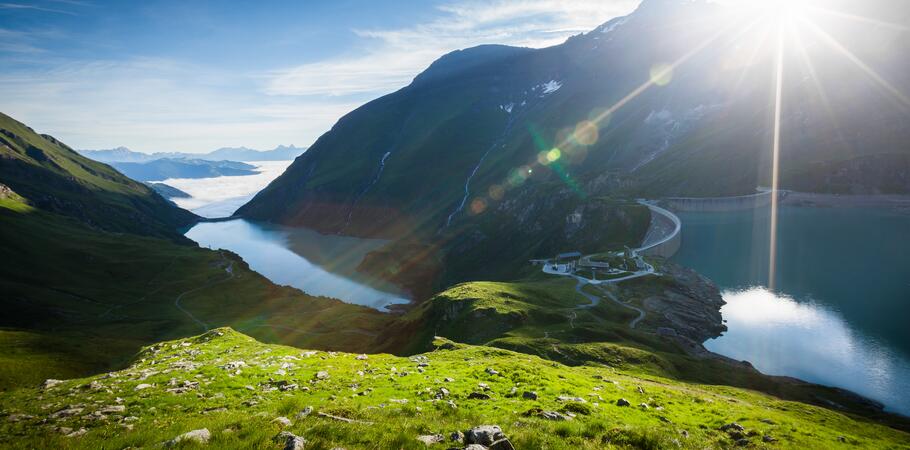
(221, 196)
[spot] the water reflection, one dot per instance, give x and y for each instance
(781, 336)
(318, 264)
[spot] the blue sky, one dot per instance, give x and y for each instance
(163, 75)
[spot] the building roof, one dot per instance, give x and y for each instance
(568, 255)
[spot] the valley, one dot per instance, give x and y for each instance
(664, 230)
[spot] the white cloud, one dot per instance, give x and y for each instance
(159, 104)
(393, 57)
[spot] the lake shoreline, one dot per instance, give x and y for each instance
(896, 202)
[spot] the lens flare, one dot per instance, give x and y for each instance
(586, 133)
(552, 156)
(661, 74)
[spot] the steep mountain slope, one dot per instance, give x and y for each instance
(90, 260)
(53, 177)
(460, 138)
(244, 394)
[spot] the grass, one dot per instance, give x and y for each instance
(75, 289)
(398, 399)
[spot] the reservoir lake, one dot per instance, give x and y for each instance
(839, 313)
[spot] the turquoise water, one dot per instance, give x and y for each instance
(318, 264)
(839, 313)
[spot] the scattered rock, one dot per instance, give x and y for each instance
(643, 406)
(21, 417)
(201, 436)
(77, 433)
(502, 444)
(67, 412)
(456, 436)
(448, 380)
(430, 439)
(567, 398)
(322, 375)
(442, 393)
(768, 438)
(732, 426)
(475, 447)
(623, 402)
(112, 409)
(553, 415)
(49, 383)
(491, 371)
(361, 357)
(742, 442)
(483, 435)
(142, 386)
(529, 395)
(282, 421)
(305, 412)
(478, 396)
(290, 440)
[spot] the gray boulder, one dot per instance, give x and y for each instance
(200, 436)
(483, 435)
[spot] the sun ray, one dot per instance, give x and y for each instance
(775, 157)
(854, 17)
(836, 45)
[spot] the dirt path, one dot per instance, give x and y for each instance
(230, 271)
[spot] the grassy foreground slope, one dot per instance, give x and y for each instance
(84, 300)
(547, 317)
(236, 387)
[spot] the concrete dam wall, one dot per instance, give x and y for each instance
(719, 204)
(664, 235)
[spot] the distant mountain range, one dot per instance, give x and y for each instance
(125, 155)
(164, 168)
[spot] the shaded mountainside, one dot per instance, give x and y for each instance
(228, 391)
(473, 126)
(53, 177)
(92, 260)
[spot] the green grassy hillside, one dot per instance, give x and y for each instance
(53, 177)
(239, 390)
(73, 290)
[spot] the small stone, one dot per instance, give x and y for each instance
(643, 406)
(430, 439)
(290, 440)
(20, 417)
(742, 442)
(49, 383)
(733, 426)
(491, 371)
(305, 412)
(475, 447)
(553, 415)
(282, 421)
(77, 433)
(361, 357)
(322, 375)
(568, 398)
(442, 393)
(143, 386)
(456, 436)
(483, 435)
(623, 402)
(478, 396)
(113, 409)
(200, 436)
(640, 390)
(502, 444)
(529, 395)
(448, 380)
(768, 438)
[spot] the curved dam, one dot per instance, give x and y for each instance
(720, 204)
(664, 235)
